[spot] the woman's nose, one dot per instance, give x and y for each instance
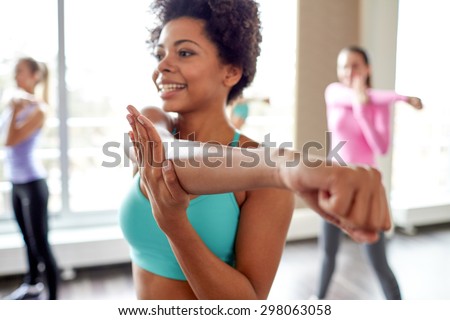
(166, 64)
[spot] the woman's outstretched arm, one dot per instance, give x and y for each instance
(351, 197)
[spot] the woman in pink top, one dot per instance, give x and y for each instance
(359, 116)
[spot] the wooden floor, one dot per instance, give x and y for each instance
(421, 264)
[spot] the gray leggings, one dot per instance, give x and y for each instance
(329, 244)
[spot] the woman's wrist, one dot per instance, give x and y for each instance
(289, 168)
(176, 228)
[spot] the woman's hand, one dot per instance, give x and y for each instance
(359, 85)
(168, 199)
(415, 102)
(353, 198)
(17, 105)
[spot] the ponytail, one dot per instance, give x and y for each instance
(44, 80)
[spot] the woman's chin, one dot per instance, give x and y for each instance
(168, 108)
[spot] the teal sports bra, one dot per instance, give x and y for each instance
(215, 218)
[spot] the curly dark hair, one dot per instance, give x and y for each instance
(232, 25)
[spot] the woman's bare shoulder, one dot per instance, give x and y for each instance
(158, 116)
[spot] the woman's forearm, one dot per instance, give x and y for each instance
(208, 168)
(193, 255)
(375, 125)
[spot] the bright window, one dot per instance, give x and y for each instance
(108, 67)
(421, 158)
(276, 74)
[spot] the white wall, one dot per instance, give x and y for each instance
(378, 27)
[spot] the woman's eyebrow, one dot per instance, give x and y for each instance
(179, 42)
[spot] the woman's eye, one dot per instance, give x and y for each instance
(184, 53)
(158, 56)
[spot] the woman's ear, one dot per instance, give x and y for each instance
(232, 75)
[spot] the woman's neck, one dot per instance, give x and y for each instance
(205, 126)
(28, 90)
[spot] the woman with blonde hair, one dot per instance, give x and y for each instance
(28, 177)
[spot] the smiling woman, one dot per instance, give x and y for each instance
(205, 58)
(189, 68)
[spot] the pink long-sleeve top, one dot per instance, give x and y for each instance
(364, 127)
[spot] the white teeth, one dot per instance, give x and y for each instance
(170, 87)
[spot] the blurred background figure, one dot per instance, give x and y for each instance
(241, 109)
(360, 116)
(23, 120)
